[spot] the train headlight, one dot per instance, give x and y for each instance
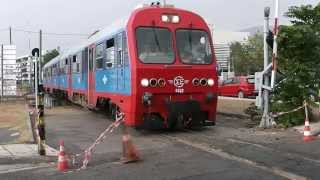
(196, 82)
(144, 82)
(210, 82)
(161, 82)
(203, 82)
(153, 82)
(165, 18)
(175, 19)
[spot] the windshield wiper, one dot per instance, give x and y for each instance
(190, 40)
(156, 39)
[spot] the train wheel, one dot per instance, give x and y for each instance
(180, 122)
(153, 122)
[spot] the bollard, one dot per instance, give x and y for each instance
(41, 123)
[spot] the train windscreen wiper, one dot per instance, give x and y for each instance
(156, 39)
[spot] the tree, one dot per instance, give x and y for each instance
(299, 61)
(248, 57)
(50, 55)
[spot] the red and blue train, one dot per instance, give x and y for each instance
(157, 66)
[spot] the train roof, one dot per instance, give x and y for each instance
(52, 61)
(101, 35)
(109, 30)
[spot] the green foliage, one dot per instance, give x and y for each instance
(50, 55)
(248, 57)
(299, 60)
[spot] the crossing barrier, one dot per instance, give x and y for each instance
(130, 154)
(307, 135)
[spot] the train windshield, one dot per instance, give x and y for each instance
(155, 45)
(194, 46)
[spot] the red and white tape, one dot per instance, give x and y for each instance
(88, 152)
(275, 115)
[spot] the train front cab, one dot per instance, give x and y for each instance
(174, 69)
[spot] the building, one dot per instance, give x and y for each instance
(8, 78)
(222, 41)
(25, 73)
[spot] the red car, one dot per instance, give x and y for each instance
(241, 86)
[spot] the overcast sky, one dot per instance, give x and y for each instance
(85, 16)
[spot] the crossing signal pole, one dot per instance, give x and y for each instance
(39, 95)
(268, 82)
(266, 120)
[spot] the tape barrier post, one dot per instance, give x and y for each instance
(129, 151)
(41, 122)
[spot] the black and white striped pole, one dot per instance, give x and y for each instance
(275, 45)
(39, 96)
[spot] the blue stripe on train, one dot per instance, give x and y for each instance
(115, 80)
(79, 81)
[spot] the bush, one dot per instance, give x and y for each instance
(299, 61)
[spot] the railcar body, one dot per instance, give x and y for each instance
(157, 66)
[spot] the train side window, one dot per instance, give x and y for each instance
(125, 49)
(76, 63)
(84, 60)
(99, 56)
(119, 47)
(66, 66)
(110, 53)
(79, 62)
(61, 67)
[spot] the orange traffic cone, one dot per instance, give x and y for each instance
(62, 160)
(307, 131)
(129, 151)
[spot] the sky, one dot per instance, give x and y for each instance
(79, 17)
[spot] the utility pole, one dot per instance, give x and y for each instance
(10, 35)
(2, 72)
(266, 120)
(40, 57)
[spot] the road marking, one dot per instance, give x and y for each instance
(4, 169)
(221, 153)
(14, 134)
(268, 148)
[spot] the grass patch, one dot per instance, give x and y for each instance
(14, 117)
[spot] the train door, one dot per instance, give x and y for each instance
(91, 86)
(120, 63)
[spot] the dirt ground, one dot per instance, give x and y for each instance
(14, 118)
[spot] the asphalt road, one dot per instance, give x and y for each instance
(5, 135)
(162, 157)
(229, 150)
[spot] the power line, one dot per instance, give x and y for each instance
(49, 33)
